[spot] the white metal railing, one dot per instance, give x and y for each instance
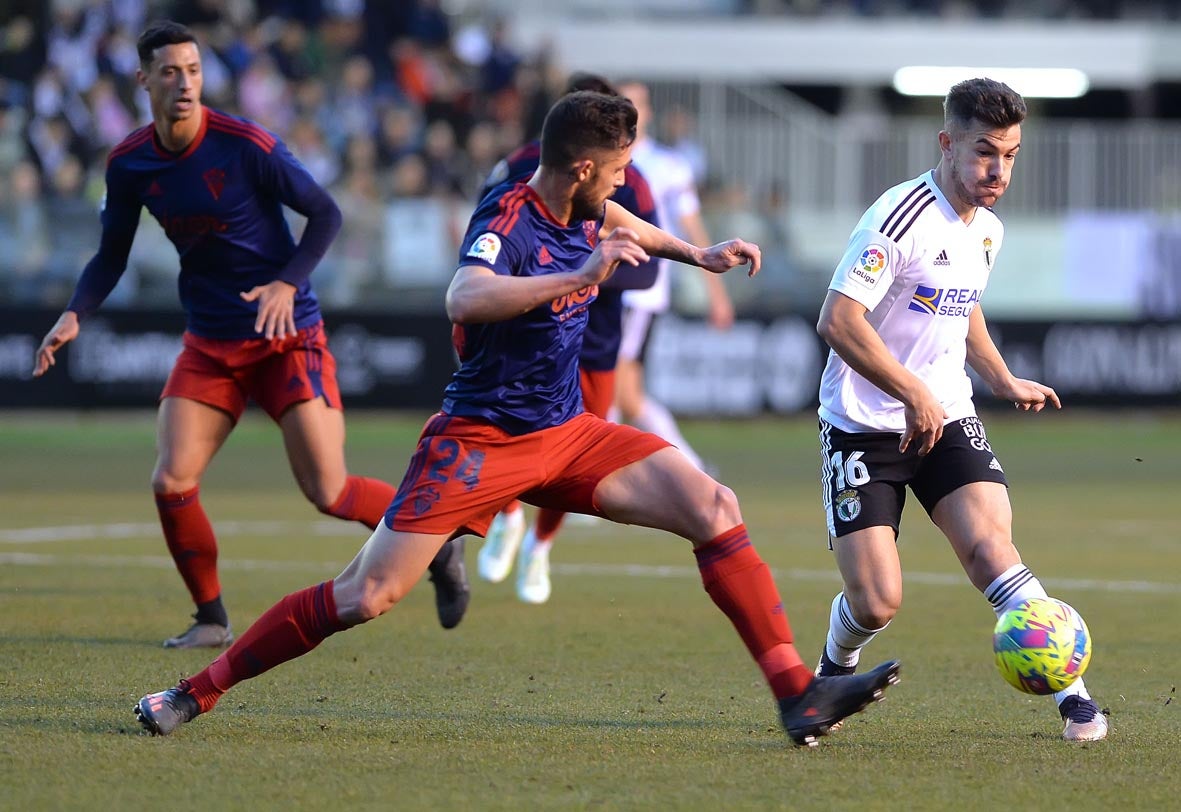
(759, 135)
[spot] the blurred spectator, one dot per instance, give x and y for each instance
(70, 251)
(293, 52)
(307, 143)
(443, 162)
(265, 96)
(73, 43)
(21, 54)
(354, 105)
(52, 142)
(24, 235)
(679, 131)
(112, 120)
(400, 134)
(12, 138)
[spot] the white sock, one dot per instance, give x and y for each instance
(846, 637)
(656, 419)
(1018, 584)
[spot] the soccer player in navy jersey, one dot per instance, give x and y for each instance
(512, 424)
(596, 369)
(217, 184)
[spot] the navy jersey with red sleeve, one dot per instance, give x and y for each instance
(521, 374)
(220, 202)
(600, 344)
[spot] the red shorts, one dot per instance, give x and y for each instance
(464, 471)
(276, 373)
(598, 391)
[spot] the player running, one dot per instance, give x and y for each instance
(508, 536)
(217, 184)
(512, 424)
(903, 317)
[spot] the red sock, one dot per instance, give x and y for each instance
(190, 539)
(511, 506)
(547, 524)
(740, 584)
(363, 500)
(292, 627)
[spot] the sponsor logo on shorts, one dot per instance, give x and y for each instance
(869, 266)
(848, 505)
(974, 431)
(486, 248)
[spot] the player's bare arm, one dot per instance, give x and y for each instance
(984, 357)
(63, 332)
(716, 258)
(844, 327)
(478, 295)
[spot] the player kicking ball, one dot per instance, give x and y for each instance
(513, 425)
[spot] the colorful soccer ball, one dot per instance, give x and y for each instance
(1042, 645)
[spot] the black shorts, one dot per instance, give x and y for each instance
(864, 476)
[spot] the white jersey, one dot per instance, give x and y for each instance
(920, 271)
(671, 180)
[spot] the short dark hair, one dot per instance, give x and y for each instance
(580, 80)
(985, 100)
(583, 121)
(159, 34)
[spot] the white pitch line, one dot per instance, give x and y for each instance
(146, 531)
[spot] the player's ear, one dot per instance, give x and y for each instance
(141, 78)
(582, 170)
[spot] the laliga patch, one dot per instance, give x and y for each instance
(869, 266)
(486, 247)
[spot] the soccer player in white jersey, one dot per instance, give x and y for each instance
(902, 317)
(679, 210)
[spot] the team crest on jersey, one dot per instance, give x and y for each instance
(869, 266)
(591, 229)
(486, 247)
(215, 179)
(848, 505)
(988, 252)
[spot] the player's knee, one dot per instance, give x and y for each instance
(721, 512)
(165, 481)
(376, 601)
(324, 495)
(874, 608)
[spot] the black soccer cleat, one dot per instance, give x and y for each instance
(452, 591)
(162, 713)
(828, 700)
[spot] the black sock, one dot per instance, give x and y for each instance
(212, 612)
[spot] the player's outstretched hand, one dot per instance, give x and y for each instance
(621, 245)
(725, 255)
(276, 308)
(1028, 396)
(63, 332)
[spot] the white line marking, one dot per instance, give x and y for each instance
(147, 531)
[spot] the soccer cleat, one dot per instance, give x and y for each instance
(500, 545)
(533, 584)
(162, 713)
(202, 635)
(449, 575)
(828, 700)
(1084, 721)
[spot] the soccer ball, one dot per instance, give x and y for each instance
(1042, 645)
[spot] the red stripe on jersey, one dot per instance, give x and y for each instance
(264, 140)
(510, 204)
(137, 139)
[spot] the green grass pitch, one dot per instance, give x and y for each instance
(628, 690)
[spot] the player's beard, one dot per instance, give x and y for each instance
(973, 195)
(583, 207)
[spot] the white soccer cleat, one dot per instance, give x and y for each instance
(533, 584)
(495, 560)
(1085, 722)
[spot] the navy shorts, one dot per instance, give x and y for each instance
(864, 477)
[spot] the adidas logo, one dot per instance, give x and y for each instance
(996, 466)
(154, 190)
(544, 257)
(942, 258)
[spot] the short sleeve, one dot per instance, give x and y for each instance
(868, 268)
